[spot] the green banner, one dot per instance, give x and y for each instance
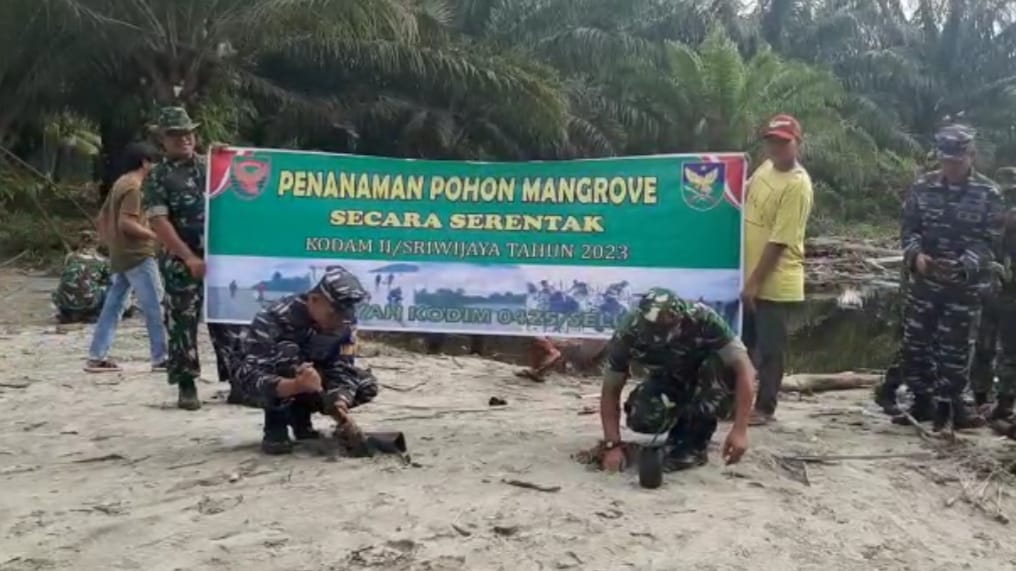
(534, 248)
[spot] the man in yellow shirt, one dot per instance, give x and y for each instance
(776, 212)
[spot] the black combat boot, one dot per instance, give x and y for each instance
(1003, 408)
(885, 397)
(962, 417)
(685, 458)
(300, 420)
(690, 447)
(188, 396)
(965, 418)
(922, 410)
(276, 439)
(885, 393)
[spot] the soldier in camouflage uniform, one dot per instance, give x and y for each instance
(892, 380)
(671, 339)
(83, 281)
(951, 228)
(174, 200)
(1005, 316)
(982, 373)
(297, 358)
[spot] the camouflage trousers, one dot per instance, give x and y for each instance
(687, 412)
(893, 378)
(996, 348)
(982, 369)
(939, 326)
(182, 302)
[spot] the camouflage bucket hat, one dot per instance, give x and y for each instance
(342, 289)
(176, 119)
(657, 301)
(954, 141)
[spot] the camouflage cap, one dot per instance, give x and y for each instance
(176, 119)
(954, 141)
(341, 288)
(88, 237)
(656, 301)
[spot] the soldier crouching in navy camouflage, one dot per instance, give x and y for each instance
(297, 359)
(174, 200)
(951, 227)
(671, 339)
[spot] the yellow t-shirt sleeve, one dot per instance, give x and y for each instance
(792, 215)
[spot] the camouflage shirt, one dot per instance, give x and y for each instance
(677, 353)
(957, 224)
(1008, 253)
(281, 338)
(176, 189)
(83, 282)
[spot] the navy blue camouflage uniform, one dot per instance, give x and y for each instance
(959, 226)
(282, 337)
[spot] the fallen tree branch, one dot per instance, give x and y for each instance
(816, 383)
(399, 389)
(442, 413)
(921, 431)
(14, 259)
(532, 486)
(821, 459)
(822, 244)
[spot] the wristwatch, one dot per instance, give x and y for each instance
(610, 444)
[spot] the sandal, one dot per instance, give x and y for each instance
(101, 366)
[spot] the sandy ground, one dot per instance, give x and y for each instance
(101, 472)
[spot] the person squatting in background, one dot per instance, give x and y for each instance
(81, 290)
(951, 228)
(174, 199)
(296, 358)
(124, 229)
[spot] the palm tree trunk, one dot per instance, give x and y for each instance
(114, 140)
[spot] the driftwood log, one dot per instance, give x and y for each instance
(817, 383)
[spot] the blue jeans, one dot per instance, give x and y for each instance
(147, 284)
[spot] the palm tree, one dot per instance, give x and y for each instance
(594, 45)
(33, 56)
(949, 60)
(320, 71)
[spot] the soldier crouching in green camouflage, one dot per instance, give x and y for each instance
(84, 278)
(671, 339)
(174, 198)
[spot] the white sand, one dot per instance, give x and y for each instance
(101, 472)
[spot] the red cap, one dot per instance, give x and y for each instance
(783, 127)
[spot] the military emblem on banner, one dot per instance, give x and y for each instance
(703, 185)
(250, 175)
